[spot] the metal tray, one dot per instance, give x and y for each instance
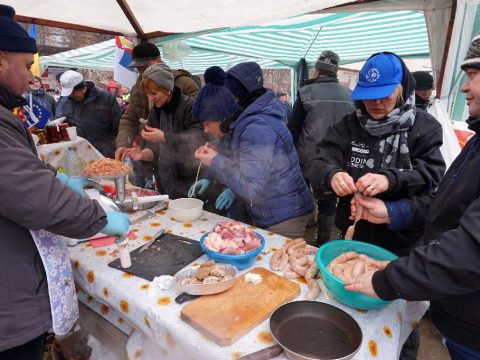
(205, 289)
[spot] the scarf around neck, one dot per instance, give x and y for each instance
(392, 149)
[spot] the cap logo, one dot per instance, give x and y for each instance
(372, 75)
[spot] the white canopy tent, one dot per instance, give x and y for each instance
(450, 24)
(150, 18)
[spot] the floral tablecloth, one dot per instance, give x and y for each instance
(152, 320)
(54, 154)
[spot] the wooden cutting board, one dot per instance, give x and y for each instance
(226, 317)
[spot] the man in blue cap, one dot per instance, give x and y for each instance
(35, 205)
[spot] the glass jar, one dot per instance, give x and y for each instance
(63, 132)
(53, 134)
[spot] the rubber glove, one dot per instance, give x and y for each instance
(77, 184)
(225, 199)
(117, 224)
(202, 185)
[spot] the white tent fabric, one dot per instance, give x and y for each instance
(354, 36)
(467, 25)
(171, 16)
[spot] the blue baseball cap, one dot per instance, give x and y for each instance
(378, 78)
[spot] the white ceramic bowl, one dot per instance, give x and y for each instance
(185, 209)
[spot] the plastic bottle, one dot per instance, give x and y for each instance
(73, 163)
(125, 260)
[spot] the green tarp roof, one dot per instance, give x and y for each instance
(354, 36)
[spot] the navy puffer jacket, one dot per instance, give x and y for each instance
(264, 167)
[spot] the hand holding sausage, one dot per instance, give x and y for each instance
(374, 210)
(153, 134)
(372, 184)
(362, 284)
(342, 184)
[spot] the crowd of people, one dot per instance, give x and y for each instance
(261, 162)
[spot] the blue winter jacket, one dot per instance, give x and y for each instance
(264, 167)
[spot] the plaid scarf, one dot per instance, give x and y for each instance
(393, 134)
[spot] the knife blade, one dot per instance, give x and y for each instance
(149, 214)
(157, 236)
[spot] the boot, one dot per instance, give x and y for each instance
(324, 228)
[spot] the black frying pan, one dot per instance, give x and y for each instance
(311, 330)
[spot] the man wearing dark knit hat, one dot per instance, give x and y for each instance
(320, 102)
(36, 283)
(446, 270)
(423, 89)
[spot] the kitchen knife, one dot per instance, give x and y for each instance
(157, 236)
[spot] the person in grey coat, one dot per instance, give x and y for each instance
(94, 111)
(34, 200)
(320, 102)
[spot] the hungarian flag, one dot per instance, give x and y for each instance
(123, 56)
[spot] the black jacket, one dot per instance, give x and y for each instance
(446, 272)
(96, 118)
(174, 159)
(346, 147)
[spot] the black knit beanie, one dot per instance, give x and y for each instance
(13, 36)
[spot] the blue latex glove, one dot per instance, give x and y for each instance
(117, 224)
(225, 199)
(202, 185)
(77, 184)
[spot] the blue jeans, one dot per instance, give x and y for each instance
(459, 352)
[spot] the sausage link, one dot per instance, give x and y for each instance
(293, 242)
(311, 272)
(283, 262)
(275, 260)
(289, 273)
(358, 268)
(314, 289)
(293, 248)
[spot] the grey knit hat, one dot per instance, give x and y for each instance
(161, 74)
(328, 62)
(472, 59)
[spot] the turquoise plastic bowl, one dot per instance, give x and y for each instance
(327, 252)
(240, 261)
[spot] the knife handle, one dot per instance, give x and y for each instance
(183, 297)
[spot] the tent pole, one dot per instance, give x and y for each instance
(447, 47)
(131, 19)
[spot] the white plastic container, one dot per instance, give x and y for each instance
(124, 253)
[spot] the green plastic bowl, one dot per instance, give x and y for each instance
(327, 252)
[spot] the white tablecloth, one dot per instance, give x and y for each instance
(154, 325)
(54, 154)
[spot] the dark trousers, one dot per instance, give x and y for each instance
(32, 350)
(459, 352)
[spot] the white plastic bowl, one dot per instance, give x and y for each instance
(185, 209)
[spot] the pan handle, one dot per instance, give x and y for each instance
(183, 297)
(264, 354)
